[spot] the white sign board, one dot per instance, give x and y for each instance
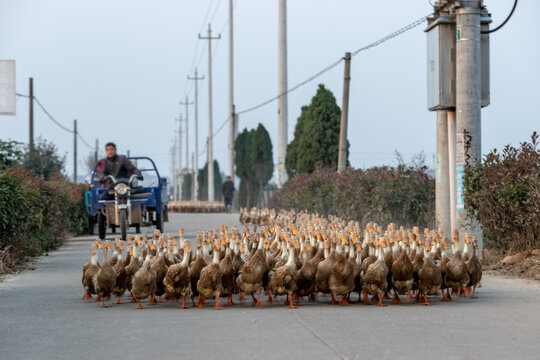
(7, 87)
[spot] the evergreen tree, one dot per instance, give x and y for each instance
(262, 158)
(202, 179)
(254, 164)
(316, 136)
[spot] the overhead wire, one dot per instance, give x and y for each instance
(54, 120)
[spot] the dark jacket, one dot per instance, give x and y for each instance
(119, 167)
(227, 189)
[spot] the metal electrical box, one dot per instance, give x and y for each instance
(441, 63)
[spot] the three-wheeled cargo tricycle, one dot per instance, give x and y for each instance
(123, 203)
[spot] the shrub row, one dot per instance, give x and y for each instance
(404, 195)
(503, 193)
(37, 214)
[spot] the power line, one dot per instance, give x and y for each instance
(324, 70)
(336, 63)
(504, 22)
(56, 121)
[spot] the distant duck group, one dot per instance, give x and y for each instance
(297, 255)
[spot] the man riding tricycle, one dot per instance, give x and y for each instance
(126, 192)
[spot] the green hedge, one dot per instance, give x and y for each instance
(503, 193)
(404, 195)
(35, 214)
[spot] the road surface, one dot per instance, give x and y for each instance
(43, 317)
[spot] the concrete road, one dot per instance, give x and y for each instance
(43, 317)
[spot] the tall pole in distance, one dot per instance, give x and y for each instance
(187, 103)
(468, 107)
(96, 151)
(232, 126)
(210, 132)
(196, 152)
(179, 172)
(342, 157)
(173, 172)
(282, 88)
(31, 115)
(75, 151)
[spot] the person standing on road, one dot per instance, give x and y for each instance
(227, 191)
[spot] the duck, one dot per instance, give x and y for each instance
(443, 265)
(358, 272)
(341, 280)
(89, 271)
(195, 272)
(430, 278)
(402, 276)
(457, 275)
(283, 281)
(134, 265)
(160, 267)
(228, 276)
(121, 274)
(209, 284)
(177, 279)
(374, 281)
(105, 278)
(129, 254)
(305, 278)
(144, 280)
(324, 270)
(250, 279)
(474, 268)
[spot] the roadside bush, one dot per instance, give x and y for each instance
(404, 194)
(503, 193)
(35, 214)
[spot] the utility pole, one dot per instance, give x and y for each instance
(232, 125)
(468, 106)
(210, 132)
(452, 167)
(31, 115)
(196, 152)
(187, 103)
(342, 157)
(179, 172)
(282, 88)
(173, 172)
(96, 152)
(442, 178)
(75, 151)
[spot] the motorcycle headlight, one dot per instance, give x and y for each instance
(121, 189)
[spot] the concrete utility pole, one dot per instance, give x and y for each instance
(452, 168)
(96, 154)
(75, 151)
(179, 172)
(31, 114)
(232, 125)
(442, 181)
(210, 153)
(196, 152)
(187, 103)
(468, 106)
(342, 157)
(173, 173)
(282, 88)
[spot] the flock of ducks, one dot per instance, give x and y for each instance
(294, 254)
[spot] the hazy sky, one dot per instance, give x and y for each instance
(120, 68)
